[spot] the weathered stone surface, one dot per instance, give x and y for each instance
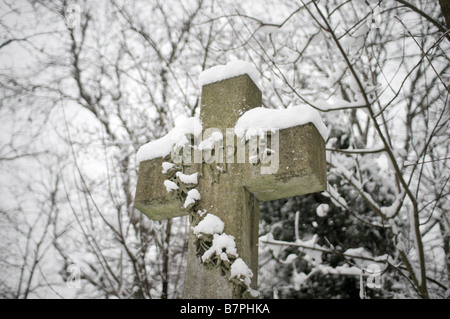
(152, 198)
(223, 102)
(302, 166)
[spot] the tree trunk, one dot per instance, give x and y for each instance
(445, 6)
(166, 257)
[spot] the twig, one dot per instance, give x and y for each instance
(425, 54)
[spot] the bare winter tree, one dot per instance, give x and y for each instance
(112, 82)
(384, 70)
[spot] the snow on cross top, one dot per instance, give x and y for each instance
(254, 122)
(257, 121)
(175, 138)
(230, 70)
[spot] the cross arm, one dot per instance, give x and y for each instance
(152, 198)
(301, 166)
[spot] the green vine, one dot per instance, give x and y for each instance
(203, 242)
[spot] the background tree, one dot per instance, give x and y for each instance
(84, 84)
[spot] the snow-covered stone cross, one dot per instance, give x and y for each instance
(232, 191)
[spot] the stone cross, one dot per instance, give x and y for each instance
(233, 193)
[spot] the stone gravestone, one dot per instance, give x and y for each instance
(232, 191)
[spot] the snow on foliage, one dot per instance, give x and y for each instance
(322, 210)
(170, 186)
(208, 144)
(188, 179)
(167, 166)
(222, 246)
(192, 196)
(210, 225)
(175, 138)
(240, 270)
(337, 104)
